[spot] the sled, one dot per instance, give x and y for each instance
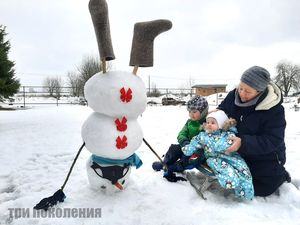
(201, 182)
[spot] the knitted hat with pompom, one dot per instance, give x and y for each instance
(197, 103)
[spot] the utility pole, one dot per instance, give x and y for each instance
(149, 84)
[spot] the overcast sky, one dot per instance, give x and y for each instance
(211, 41)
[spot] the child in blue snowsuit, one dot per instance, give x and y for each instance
(231, 170)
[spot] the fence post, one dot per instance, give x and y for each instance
(24, 103)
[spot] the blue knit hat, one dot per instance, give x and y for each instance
(197, 103)
(256, 77)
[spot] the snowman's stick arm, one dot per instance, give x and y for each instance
(149, 146)
(59, 195)
(74, 161)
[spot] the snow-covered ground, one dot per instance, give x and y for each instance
(39, 144)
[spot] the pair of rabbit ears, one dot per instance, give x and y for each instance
(143, 37)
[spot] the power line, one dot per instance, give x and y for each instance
(41, 74)
(192, 78)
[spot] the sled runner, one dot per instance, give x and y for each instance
(200, 184)
(205, 179)
(203, 183)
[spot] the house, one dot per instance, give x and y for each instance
(209, 89)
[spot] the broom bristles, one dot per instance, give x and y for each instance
(50, 201)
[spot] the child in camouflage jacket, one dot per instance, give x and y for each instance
(174, 159)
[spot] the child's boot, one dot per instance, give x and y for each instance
(157, 166)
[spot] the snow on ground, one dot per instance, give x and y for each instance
(39, 144)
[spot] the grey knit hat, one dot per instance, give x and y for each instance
(197, 103)
(256, 77)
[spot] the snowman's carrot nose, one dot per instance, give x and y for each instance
(119, 186)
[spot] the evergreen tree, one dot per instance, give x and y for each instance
(9, 85)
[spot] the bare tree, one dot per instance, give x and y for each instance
(186, 85)
(49, 85)
(53, 86)
(155, 91)
(58, 87)
(73, 80)
(287, 77)
(89, 66)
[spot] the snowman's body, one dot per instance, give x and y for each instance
(111, 133)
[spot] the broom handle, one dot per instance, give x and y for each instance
(74, 161)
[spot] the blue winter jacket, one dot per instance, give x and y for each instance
(261, 128)
(231, 170)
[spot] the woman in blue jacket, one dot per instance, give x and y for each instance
(256, 106)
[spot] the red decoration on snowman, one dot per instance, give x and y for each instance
(121, 142)
(126, 96)
(121, 125)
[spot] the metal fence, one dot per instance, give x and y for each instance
(33, 95)
(179, 92)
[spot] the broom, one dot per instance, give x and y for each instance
(59, 195)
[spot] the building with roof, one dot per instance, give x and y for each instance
(209, 89)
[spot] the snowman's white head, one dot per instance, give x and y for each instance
(108, 178)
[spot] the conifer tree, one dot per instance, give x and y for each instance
(9, 85)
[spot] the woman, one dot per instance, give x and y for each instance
(256, 106)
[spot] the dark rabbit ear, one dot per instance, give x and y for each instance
(142, 42)
(99, 13)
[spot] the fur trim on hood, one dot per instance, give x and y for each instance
(273, 97)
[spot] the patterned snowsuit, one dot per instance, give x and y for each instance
(231, 170)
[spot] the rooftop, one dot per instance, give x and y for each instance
(209, 86)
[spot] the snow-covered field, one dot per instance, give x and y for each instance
(39, 144)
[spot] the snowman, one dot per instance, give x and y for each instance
(112, 133)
